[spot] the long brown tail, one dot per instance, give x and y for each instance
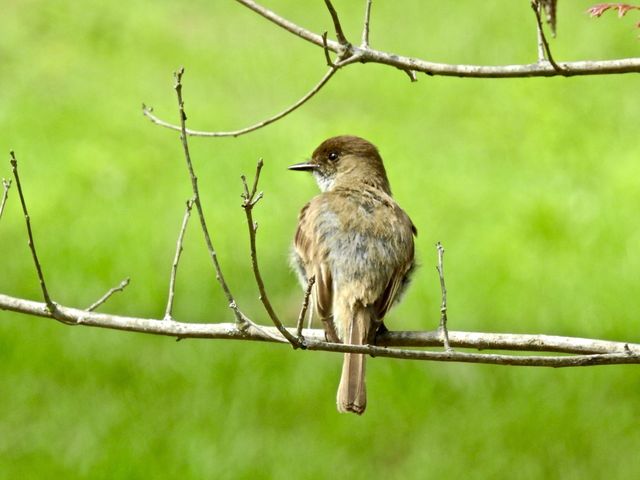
(352, 394)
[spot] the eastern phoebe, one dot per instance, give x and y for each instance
(358, 243)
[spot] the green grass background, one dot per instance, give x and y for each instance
(533, 186)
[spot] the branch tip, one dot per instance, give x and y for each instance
(123, 284)
(336, 24)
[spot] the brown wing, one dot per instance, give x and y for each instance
(398, 281)
(312, 261)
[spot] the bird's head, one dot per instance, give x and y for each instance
(346, 161)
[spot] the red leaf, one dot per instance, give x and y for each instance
(600, 8)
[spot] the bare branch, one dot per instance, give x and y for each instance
(123, 284)
(443, 306)
(6, 185)
(148, 112)
(535, 6)
(32, 246)
(342, 40)
(250, 200)
(589, 352)
(240, 317)
(539, 34)
(305, 306)
(365, 28)
(176, 259)
(411, 74)
(326, 51)
(289, 26)
(368, 55)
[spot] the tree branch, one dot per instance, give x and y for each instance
(176, 260)
(6, 185)
(443, 306)
(240, 317)
(589, 351)
(305, 306)
(123, 284)
(365, 27)
(368, 55)
(536, 7)
(251, 197)
(148, 112)
(32, 246)
(342, 39)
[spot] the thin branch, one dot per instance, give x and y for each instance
(148, 112)
(6, 185)
(443, 306)
(411, 74)
(368, 55)
(305, 306)
(365, 27)
(240, 317)
(250, 200)
(589, 351)
(539, 35)
(535, 6)
(123, 284)
(289, 26)
(32, 246)
(336, 24)
(176, 259)
(326, 51)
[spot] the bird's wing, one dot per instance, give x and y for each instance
(313, 260)
(397, 283)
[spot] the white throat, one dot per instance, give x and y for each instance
(325, 183)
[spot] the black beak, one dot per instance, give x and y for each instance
(304, 167)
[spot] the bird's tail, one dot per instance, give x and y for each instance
(352, 395)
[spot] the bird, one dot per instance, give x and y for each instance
(358, 244)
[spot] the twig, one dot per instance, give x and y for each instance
(326, 51)
(411, 74)
(32, 246)
(535, 6)
(369, 55)
(336, 24)
(249, 201)
(305, 306)
(240, 317)
(176, 259)
(148, 112)
(6, 185)
(590, 352)
(443, 306)
(106, 296)
(539, 35)
(365, 28)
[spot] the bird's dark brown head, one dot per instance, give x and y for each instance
(346, 160)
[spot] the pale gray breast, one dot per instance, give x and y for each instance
(366, 241)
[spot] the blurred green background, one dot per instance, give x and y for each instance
(533, 186)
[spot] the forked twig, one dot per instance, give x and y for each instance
(305, 306)
(250, 198)
(443, 306)
(123, 284)
(6, 185)
(45, 293)
(241, 319)
(535, 6)
(369, 55)
(176, 260)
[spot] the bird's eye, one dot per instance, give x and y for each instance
(333, 156)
